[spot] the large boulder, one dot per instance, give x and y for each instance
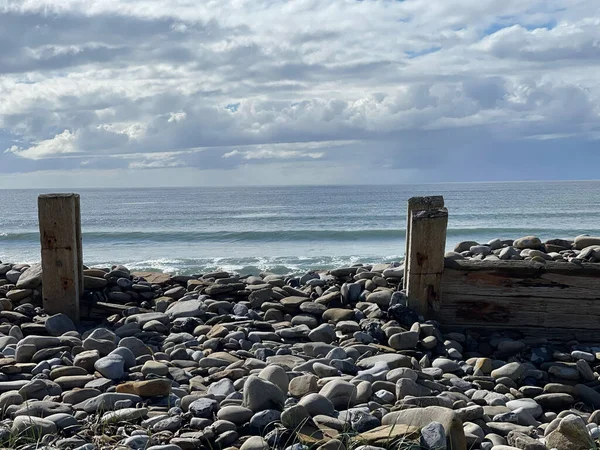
(571, 434)
(31, 278)
(421, 417)
(261, 394)
(581, 242)
(341, 393)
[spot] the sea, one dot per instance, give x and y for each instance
(289, 230)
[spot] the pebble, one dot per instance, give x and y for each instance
(246, 362)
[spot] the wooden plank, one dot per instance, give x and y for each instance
(426, 260)
(61, 254)
(563, 298)
(549, 312)
(525, 268)
(534, 305)
(558, 335)
(417, 204)
(528, 285)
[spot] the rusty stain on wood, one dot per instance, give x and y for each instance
(518, 294)
(481, 311)
(62, 268)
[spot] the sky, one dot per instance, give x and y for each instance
(123, 93)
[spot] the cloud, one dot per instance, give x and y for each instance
(62, 144)
(384, 90)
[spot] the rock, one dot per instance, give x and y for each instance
(341, 393)
(337, 314)
(512, 370)
(385, 435)
(294, 417)
(464, 246)
(9, 398)
(164, 447)
(73, 381)
(277, 376)
(582, 242)
(187, 308)
(35, 427)
(127, 355)
(261, 394)
(392, 360)
(94, 283)
(79, 395)
(323, 333)
(238, 415)
(39, 388)
(407, 387)
(527, 242)
(147, 388)
(303, 385)
(105, 402)
(527, 404)
(571, 434)
(555, 401)
(124, 415)
(588, 395)
(447, 365)
(171, 424)
(86, 360)
(433, 437)
(63, 420)
(421, 417)
(381, 298)
(221, 389)
(203, 407)
(524, 442)
(155, 368)
(31, 278)
(261, 420)
(42, 408)
(332, 444)
(255, 443)
(59, 324)
(350, 292)
(317, 404)
(111, 367)
(404, 341)
(137, 346)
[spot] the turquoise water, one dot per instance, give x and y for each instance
(290, 229)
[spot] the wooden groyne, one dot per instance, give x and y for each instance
(552, 299)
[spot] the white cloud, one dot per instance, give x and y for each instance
(64, 143)
(222, 85)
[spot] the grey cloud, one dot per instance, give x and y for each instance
(150, 89)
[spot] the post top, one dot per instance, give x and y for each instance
(59, 195)
(433, 201)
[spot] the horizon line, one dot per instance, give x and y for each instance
(433, 183)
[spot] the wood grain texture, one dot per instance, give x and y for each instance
(553, 298)
(61, 253)
(416, 204)
(426, 259)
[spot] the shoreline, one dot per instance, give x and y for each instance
(328, 360)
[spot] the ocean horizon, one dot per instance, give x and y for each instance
(291, 229)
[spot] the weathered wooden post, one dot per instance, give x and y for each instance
(62, 255)
(425, 259)
(416, 204)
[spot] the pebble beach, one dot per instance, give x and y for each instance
(323, 359)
